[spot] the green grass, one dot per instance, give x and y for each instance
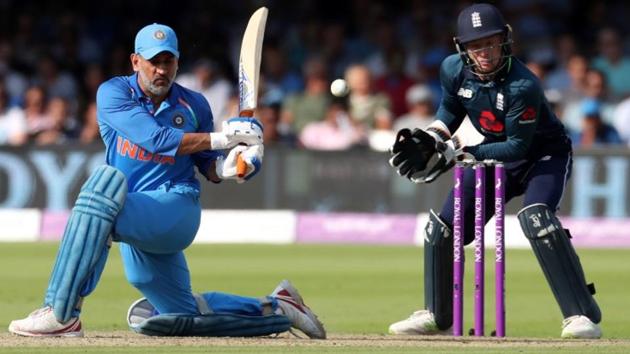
(353, 289)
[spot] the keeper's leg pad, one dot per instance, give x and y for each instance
(438, 270)
(559, 262)
(85, 243)
(142, 318)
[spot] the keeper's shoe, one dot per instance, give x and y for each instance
(290, 304)
(42, 323)
(580, 327)
(421, 322)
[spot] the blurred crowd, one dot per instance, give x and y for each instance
(54, 56)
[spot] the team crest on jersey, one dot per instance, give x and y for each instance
(489, 122)
(464, 92)
(528, 116)
(178, 120)
(500, 101)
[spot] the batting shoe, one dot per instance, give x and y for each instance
(290, 304)
(580, 327)
(42, 323)
(421, 322)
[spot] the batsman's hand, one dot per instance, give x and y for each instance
(239, 130)
(226, 167)
(411, 151)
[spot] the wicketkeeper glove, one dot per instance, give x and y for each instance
(447, 154)
(411, 151)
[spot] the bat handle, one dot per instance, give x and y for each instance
(241, 166)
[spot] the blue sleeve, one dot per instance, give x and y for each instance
(203, 159)
(119, 110)
(451, 112)
(520, 126)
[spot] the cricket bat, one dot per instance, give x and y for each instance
(249, 71)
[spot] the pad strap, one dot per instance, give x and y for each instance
(202, 304)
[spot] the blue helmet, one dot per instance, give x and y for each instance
(480, 21)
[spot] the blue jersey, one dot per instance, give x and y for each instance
(142, 140)
(511, 111)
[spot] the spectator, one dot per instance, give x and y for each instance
(309, 106)
(56, 83)
(595, 88)
(421, 112)
(15, 83)
(206, 78)
(12, 121)
(594, 131)
(613, 63)
(558, 77)
(622, 120)
(569, 80)
(93, 76)
(63, 127)
(336, 132)
(537, 68)
(370, 109)
(89, 131)
(269, 116)
(276, 73)
(37, 119)
(385, 40)
(395, 82)
(336, 50)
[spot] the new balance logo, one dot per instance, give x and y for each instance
(476, 19)
(466, 93)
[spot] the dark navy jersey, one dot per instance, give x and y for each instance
(510, 111)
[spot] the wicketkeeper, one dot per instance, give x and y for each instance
(506, 104)
(147, 199)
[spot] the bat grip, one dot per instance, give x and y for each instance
(241, 166)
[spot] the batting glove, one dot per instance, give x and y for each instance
(226, 167)
(239, 130)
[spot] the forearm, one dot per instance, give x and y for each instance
(194, 142)
(246, 131)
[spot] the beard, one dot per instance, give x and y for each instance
(152, 87)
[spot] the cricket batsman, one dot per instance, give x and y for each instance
(506, 104)
(147, 199)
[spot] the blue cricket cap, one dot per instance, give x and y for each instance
(154, 39)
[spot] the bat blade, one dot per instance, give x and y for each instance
(249, 71)
(249, 62)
